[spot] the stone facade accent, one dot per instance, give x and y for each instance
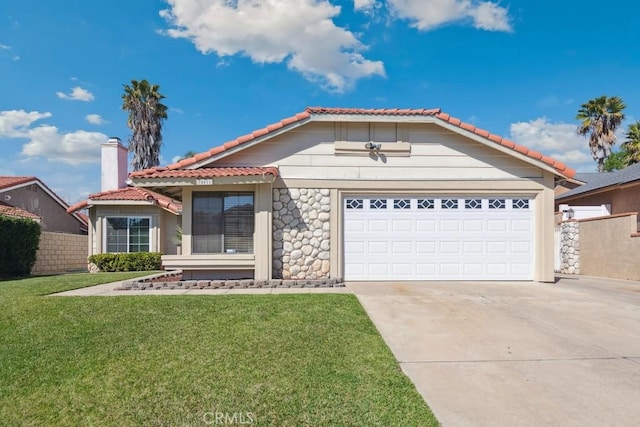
(301, 233)
(61, 252)
(570, 247)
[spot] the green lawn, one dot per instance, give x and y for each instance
(281, 360)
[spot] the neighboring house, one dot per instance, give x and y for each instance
(619, 189)
(32, 195)
(8, 210)
(333, 192)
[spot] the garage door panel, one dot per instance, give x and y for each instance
(402, 225)
(450, 247)
(402, 247)
(403, 270)
(449, 225)
(425, 248)
(423, 225)
(438, 238)
(473, 225)
(497, 225)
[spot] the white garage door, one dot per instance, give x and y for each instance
(438, 238)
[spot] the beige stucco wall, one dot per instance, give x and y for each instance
(54, 216)
(609, 247)
(61, 252)
(161, 234)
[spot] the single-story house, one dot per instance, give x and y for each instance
(30, 194)
(358, 194)
(620, 190)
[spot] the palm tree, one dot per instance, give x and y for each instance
(632, 144)
(599, 118)
(146, 114)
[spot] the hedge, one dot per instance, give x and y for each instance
(134, 261)
(19, 241)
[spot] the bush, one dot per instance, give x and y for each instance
(19, 241)
(134, 261)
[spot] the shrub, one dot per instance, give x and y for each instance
(134, 261)
(19, 241)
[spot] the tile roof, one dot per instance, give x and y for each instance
(133, 194)
(309, 112)
(16, 212)
(10, 181)
(204, 172)
(597, 181)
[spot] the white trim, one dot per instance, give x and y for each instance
(106, 227)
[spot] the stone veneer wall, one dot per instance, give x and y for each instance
(301, 233)
(570, 247)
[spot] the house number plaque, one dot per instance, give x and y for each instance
(204, 181)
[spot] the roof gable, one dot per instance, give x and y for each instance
(8, 183)
(344, 114)
(130, 194)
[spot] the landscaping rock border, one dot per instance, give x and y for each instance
(152, 283)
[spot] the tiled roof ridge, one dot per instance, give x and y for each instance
(219, 172)
(310, 111)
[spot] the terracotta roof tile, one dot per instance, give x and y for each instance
(311, 111)
(16, 212)
(130, 194)
(204, 172)
(10, 181)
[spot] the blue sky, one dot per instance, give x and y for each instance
(518, 68)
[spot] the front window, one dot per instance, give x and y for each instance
(128, 234)
(222, 222)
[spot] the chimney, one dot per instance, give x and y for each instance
(114, 165)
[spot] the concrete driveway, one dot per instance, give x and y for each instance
(516, 353)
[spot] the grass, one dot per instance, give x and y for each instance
(268, 360)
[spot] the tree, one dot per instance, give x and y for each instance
(632, 144)
(599, 118)
(146, 115)
(616, 161)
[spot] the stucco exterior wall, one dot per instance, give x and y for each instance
(610, 247)
(622, 200)
(53, 216)
(61, 252)
(101, 212)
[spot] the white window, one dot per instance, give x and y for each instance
(128, 234)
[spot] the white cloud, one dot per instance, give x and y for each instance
(15, 123)
(4, 47)
(366, 6)
(558, 140)
(95, 119)
(300, 33)
(77, 94)
(72, 148)
(427, 15)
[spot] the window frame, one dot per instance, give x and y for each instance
(223, 195)
(105, 244)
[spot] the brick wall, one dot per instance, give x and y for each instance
(61, 252)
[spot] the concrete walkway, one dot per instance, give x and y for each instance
(514, 353)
